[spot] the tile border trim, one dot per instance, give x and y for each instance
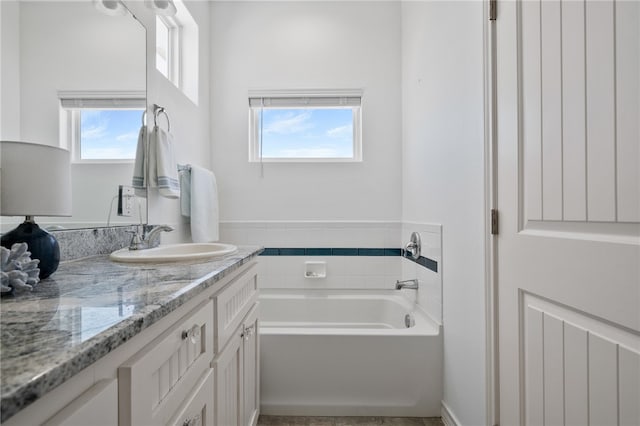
(347, 251)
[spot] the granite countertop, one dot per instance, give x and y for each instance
(86, 309)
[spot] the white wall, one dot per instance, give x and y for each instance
(71, 46)
(307, 45)
(443, 145)
(10, 71)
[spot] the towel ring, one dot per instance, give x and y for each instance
(157, 110)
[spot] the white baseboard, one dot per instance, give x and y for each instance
(448, 418)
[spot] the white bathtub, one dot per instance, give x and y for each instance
(348, 353)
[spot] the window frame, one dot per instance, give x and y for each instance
(71, 105)
(307, 99)
(174, 58)
(182, 52)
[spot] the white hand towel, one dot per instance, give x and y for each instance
(185, 192)
(204, 206)
(140, 164)
(164, 175)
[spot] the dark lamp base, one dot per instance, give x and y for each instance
(42, 245)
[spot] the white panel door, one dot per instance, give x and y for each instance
(568, 195)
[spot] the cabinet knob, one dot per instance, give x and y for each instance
(248, 332)
(192, 421)
(192, 334)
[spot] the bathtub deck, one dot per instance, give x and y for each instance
(348, 421)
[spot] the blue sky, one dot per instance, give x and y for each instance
(302, 133)
(109, 134)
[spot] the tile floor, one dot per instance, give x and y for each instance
(348, 421)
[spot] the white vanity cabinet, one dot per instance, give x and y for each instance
(197, 366)
(237, 365)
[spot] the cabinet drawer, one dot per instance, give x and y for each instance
(198, 408)
(155, 381)
(233, 303)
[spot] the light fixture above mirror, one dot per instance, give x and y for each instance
(110, 7)
(162, 7)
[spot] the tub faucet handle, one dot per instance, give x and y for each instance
(136, 241)
(413, 248)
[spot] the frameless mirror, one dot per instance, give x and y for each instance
(74, 76)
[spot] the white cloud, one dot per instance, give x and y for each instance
(94, 132)
(290, 123)
(127, 137)
(341, 131)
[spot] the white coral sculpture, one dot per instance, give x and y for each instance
(18, 271)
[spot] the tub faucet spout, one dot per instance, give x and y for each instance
(410, 284)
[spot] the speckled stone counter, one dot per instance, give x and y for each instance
(86, 309)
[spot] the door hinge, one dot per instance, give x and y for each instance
(493, 10)
(494, 222)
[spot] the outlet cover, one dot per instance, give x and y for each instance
(126, 195)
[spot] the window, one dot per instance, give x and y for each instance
(311, 126)
(168, 48)
(177, 50)
(99, 128)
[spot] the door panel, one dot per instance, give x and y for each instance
(568, 156)
(579, 91)
(228, 367)
(577, 367)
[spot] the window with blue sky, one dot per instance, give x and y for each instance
(109, 134)
(307, 133)
(306, 126)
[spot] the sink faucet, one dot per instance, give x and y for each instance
(149, 240)
(411, 284)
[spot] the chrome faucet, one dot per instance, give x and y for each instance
(410, 284)
(413, 248)
(149, 240)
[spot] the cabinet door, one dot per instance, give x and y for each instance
(251, 369)
(155, 381)
(232, 305)
(198, 408)
(228, 368)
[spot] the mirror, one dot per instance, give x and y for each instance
(70, 49)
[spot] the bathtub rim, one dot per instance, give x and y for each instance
(424, 324)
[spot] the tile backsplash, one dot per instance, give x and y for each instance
(356, 255)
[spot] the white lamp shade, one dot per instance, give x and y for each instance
(35, 180)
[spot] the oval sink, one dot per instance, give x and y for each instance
(173, 252)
